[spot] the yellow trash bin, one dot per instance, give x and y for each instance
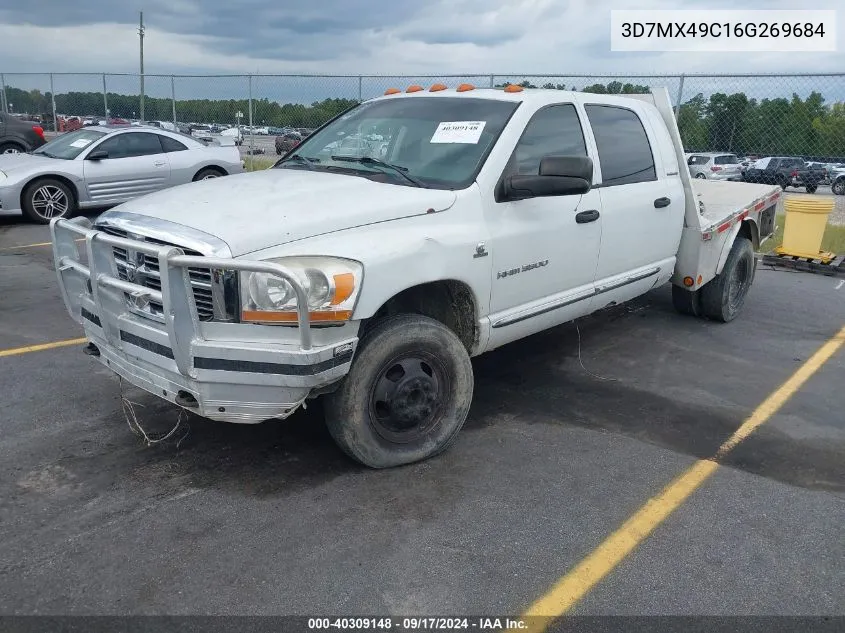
(806, 220)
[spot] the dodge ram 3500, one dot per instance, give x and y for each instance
(407, 235)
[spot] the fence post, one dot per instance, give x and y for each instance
(173, 97)
(360, 88)
(53, 103)
(4, 104)
(251, 135)
(680, 96)
(492, 81)
(105, 99)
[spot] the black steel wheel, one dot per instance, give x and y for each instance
(407, 397)
(407, 394)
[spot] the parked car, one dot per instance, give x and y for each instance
(202, 132)
(785, 171)
(18, 136)
(490, 219)
(714, 166)
(100, 166)
(287, 142)
(837, 181)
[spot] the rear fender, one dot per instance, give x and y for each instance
(748, 229)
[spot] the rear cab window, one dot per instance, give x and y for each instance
(624, 151)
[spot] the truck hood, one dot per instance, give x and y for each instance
(275, 206)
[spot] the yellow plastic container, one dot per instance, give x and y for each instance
(806, 220)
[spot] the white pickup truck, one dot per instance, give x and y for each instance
(371, 277)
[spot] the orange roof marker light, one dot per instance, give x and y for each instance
(414, 88)
(437, 88)
(465, 88)
(513, 88)
(392, 91)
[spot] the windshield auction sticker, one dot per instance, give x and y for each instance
(458, 132)
(712, 30)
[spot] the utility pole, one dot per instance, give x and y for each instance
(141, 33)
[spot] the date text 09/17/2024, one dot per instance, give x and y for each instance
(418, 623)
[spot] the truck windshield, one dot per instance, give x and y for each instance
(440, 142)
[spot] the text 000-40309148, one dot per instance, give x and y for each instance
(723, 30)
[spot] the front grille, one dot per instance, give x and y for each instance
(147, 274)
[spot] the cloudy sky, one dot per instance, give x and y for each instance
(407, 37)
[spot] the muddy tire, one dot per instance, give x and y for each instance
(723, 297)
(687, 302)
(406, 396)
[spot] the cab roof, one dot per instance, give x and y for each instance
(530, 96)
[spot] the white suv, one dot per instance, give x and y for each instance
(714, 166)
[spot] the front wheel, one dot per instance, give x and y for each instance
(406, 396)
(700, 176)
(46, 199)
(838, 187)
(723, 297)
(812, 188)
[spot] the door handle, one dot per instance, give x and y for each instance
(587, 216)
(160, 163)
(662, 202)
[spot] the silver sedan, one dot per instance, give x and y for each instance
(104, 166)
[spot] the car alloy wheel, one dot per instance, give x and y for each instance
(11, 150)
(50, 202)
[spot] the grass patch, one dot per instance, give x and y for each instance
(833, 240)
(257, 163)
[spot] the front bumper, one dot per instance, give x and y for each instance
(229, 372)
(10, 199)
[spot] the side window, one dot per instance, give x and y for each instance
(624, 151)
(171, 144)
(553, 131)
(131, 145)
(774, 164)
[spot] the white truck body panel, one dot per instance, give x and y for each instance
(404, 237)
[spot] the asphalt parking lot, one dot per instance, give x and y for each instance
(557, 454)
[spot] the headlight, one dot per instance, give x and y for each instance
(330, 284)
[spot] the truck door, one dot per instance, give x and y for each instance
(544, 250)
(642, 201)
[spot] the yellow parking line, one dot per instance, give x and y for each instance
(576, 584)
(15, 351)
(14, 248)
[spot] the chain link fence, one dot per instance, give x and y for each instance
(760, 115)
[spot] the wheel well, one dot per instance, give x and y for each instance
(216, 168)
(449, 302)
(61, 179)
(749, 230)
(20, 144)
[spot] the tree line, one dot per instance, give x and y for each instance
(735, 123)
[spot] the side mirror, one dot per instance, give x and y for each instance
(98, 154)
(559, 176)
